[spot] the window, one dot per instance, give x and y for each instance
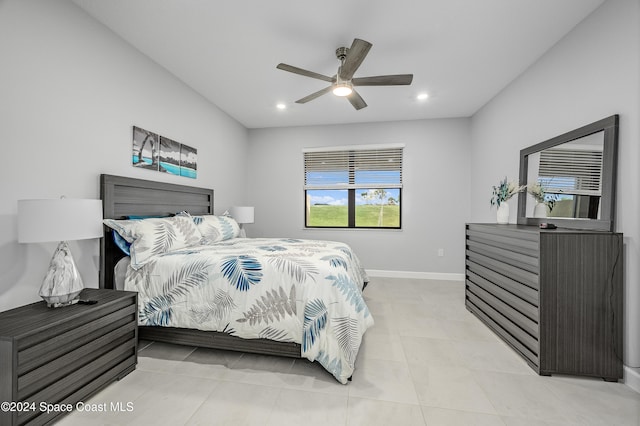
(353, 187)
(573, 179)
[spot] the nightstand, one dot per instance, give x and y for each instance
(64, 355)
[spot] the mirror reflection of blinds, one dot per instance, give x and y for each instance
(353, 168)
(568, 171)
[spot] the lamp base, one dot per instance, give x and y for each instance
(62, 284)
(60, 305)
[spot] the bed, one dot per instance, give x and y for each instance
(302, 300)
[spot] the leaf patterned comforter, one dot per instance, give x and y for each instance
(303, 291)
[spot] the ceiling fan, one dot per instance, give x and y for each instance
(343, 83)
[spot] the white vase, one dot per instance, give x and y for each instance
(503, 213)
(540, 210)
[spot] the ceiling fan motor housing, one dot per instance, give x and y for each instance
(341, 53)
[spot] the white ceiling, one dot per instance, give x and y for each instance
(461, 52)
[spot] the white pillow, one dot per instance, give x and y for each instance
(216, 228)
(153, 237)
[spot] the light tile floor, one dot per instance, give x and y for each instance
(427, 361)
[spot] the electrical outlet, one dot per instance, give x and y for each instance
(440, 252)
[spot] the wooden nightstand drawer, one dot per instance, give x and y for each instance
(64, 355)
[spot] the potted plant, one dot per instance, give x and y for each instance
(503, 193)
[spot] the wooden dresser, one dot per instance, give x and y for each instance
(555, 296)
(64, 355)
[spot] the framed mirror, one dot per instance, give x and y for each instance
(573, 177)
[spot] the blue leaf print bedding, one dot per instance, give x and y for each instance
(290, 290)
(242, 271)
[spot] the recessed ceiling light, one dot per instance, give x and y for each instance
(422, 96)
(281, 106)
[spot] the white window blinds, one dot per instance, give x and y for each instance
(571, 171)
(369, 166)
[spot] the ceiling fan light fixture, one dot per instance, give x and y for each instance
(343, 89)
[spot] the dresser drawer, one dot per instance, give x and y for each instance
(518, 289)
(525, 323)
(510, 257)
(505, 237)
(520, 305)
(525, 277)
(510, 333)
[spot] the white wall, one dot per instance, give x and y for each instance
(70, 92)
(434, 201)
(590, 74)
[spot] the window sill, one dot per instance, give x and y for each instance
(352, 229)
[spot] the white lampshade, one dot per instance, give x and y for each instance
(62, 219)
(242, 214)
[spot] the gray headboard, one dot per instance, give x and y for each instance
(124, 196)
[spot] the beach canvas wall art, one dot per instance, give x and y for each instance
(154, 152)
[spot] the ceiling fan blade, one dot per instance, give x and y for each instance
(357, 52)
(314, 95)
(356, 100)
(384, 80)
(305, 73)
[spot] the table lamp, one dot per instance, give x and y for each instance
(63, 220)
(242, 215)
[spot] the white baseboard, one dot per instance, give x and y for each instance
(415, 275)
(632, 378)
